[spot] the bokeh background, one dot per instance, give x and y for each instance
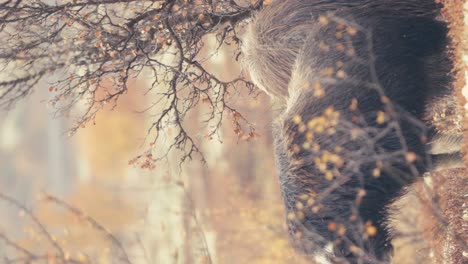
(227, 210)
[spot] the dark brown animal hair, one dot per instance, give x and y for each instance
(355, 79)
(276, 34)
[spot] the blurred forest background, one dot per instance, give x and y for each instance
(228, 210)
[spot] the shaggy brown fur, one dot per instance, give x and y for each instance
(356, 79)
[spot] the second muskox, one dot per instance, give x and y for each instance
(355, 79)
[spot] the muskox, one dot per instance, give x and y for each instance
(356, 81)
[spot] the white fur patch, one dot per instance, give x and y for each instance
(323, 258)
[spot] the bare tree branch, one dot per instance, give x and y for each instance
(93, 48)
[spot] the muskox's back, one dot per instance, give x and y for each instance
(277, 33)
